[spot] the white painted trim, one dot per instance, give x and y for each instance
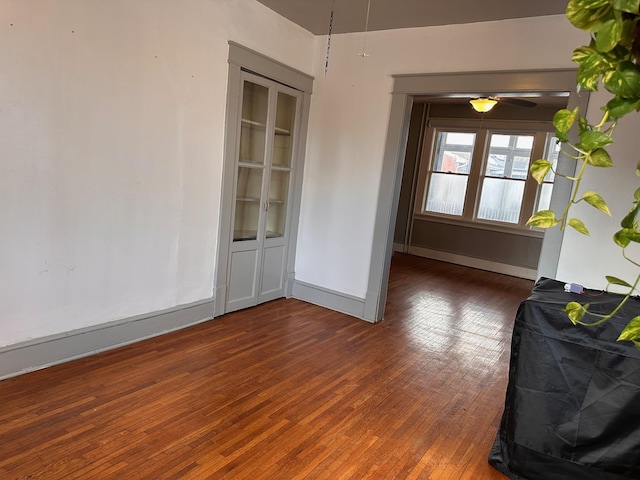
(324, 297)
(398, 247)
(505, 269)
(44, 352)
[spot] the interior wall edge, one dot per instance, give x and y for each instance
(32, 355)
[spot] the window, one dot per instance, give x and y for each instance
(552, 152)
(449, 177)
(507, 164)
(483, 175)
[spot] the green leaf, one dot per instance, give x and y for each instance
(575, 312)
(539, 169)
(563, 121)
(617, 281)
(608, 35)
(631, 6)
(592, 139)
(578, 226)
(543, 219)
(600, 158)
(591, 3)
(636, 195)
(619, 107)
(624, 81)
(630, 234)
(638, 168)
(595, 200)
(583, 125)
(592, 64)
(630, 218)
(585, 18)
(632, 330)
(621, 239)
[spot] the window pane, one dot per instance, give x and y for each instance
(446, 193)
(501, 200)
(509, 156)
(545, 196)
(495, 165)
(454, 151)
(500, 141)
(525, 142)
(553, 150)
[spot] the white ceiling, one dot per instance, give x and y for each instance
(350, 15)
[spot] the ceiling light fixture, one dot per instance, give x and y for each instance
(482, 105)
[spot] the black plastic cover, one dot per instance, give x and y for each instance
(572, 407)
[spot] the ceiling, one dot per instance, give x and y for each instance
(350, 15)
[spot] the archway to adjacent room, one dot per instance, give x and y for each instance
(406, 89)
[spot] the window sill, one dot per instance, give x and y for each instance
(481, 225)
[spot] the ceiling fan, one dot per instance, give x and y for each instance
(484, 104)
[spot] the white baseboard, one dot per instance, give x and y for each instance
(47, 351)
(512, 270)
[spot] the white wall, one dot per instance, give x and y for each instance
(586, 260)
(112, 119)
(349, 115)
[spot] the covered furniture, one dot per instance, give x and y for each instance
(572, 407)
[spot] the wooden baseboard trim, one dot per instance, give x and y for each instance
(514, 271)
(44, 352)
(327, 298)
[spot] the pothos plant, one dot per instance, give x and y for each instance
(612, 60)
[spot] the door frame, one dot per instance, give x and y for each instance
(244, 59)
(405, 87)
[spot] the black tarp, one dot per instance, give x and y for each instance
(572, 407)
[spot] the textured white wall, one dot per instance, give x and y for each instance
(586, 260)
(349, 116)
(112, 120)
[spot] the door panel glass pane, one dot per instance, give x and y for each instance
(501, 200)
(254, 121)
(285, 121)
(247, 215)
(277, 211)
(446, 193)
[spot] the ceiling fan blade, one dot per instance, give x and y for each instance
(518, 102)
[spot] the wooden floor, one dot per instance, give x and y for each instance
(284, 390)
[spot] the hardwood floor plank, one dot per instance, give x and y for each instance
(285, 390)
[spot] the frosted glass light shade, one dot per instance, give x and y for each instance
(482, 105)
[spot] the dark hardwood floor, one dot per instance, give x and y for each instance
(285, 390)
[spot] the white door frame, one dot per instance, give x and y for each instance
(405, 87)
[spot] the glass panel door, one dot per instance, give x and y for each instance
(251, 161)
(285, 121)
(255, 102)
(277, 206)
(248, 192)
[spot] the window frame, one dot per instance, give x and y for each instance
(541, 131)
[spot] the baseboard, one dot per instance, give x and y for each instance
(514, 271)
(327, 298)
(47, 351)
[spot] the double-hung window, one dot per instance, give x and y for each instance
(481, 175)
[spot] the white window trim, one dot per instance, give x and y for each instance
(483, 130)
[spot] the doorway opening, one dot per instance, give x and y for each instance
(407, 89)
